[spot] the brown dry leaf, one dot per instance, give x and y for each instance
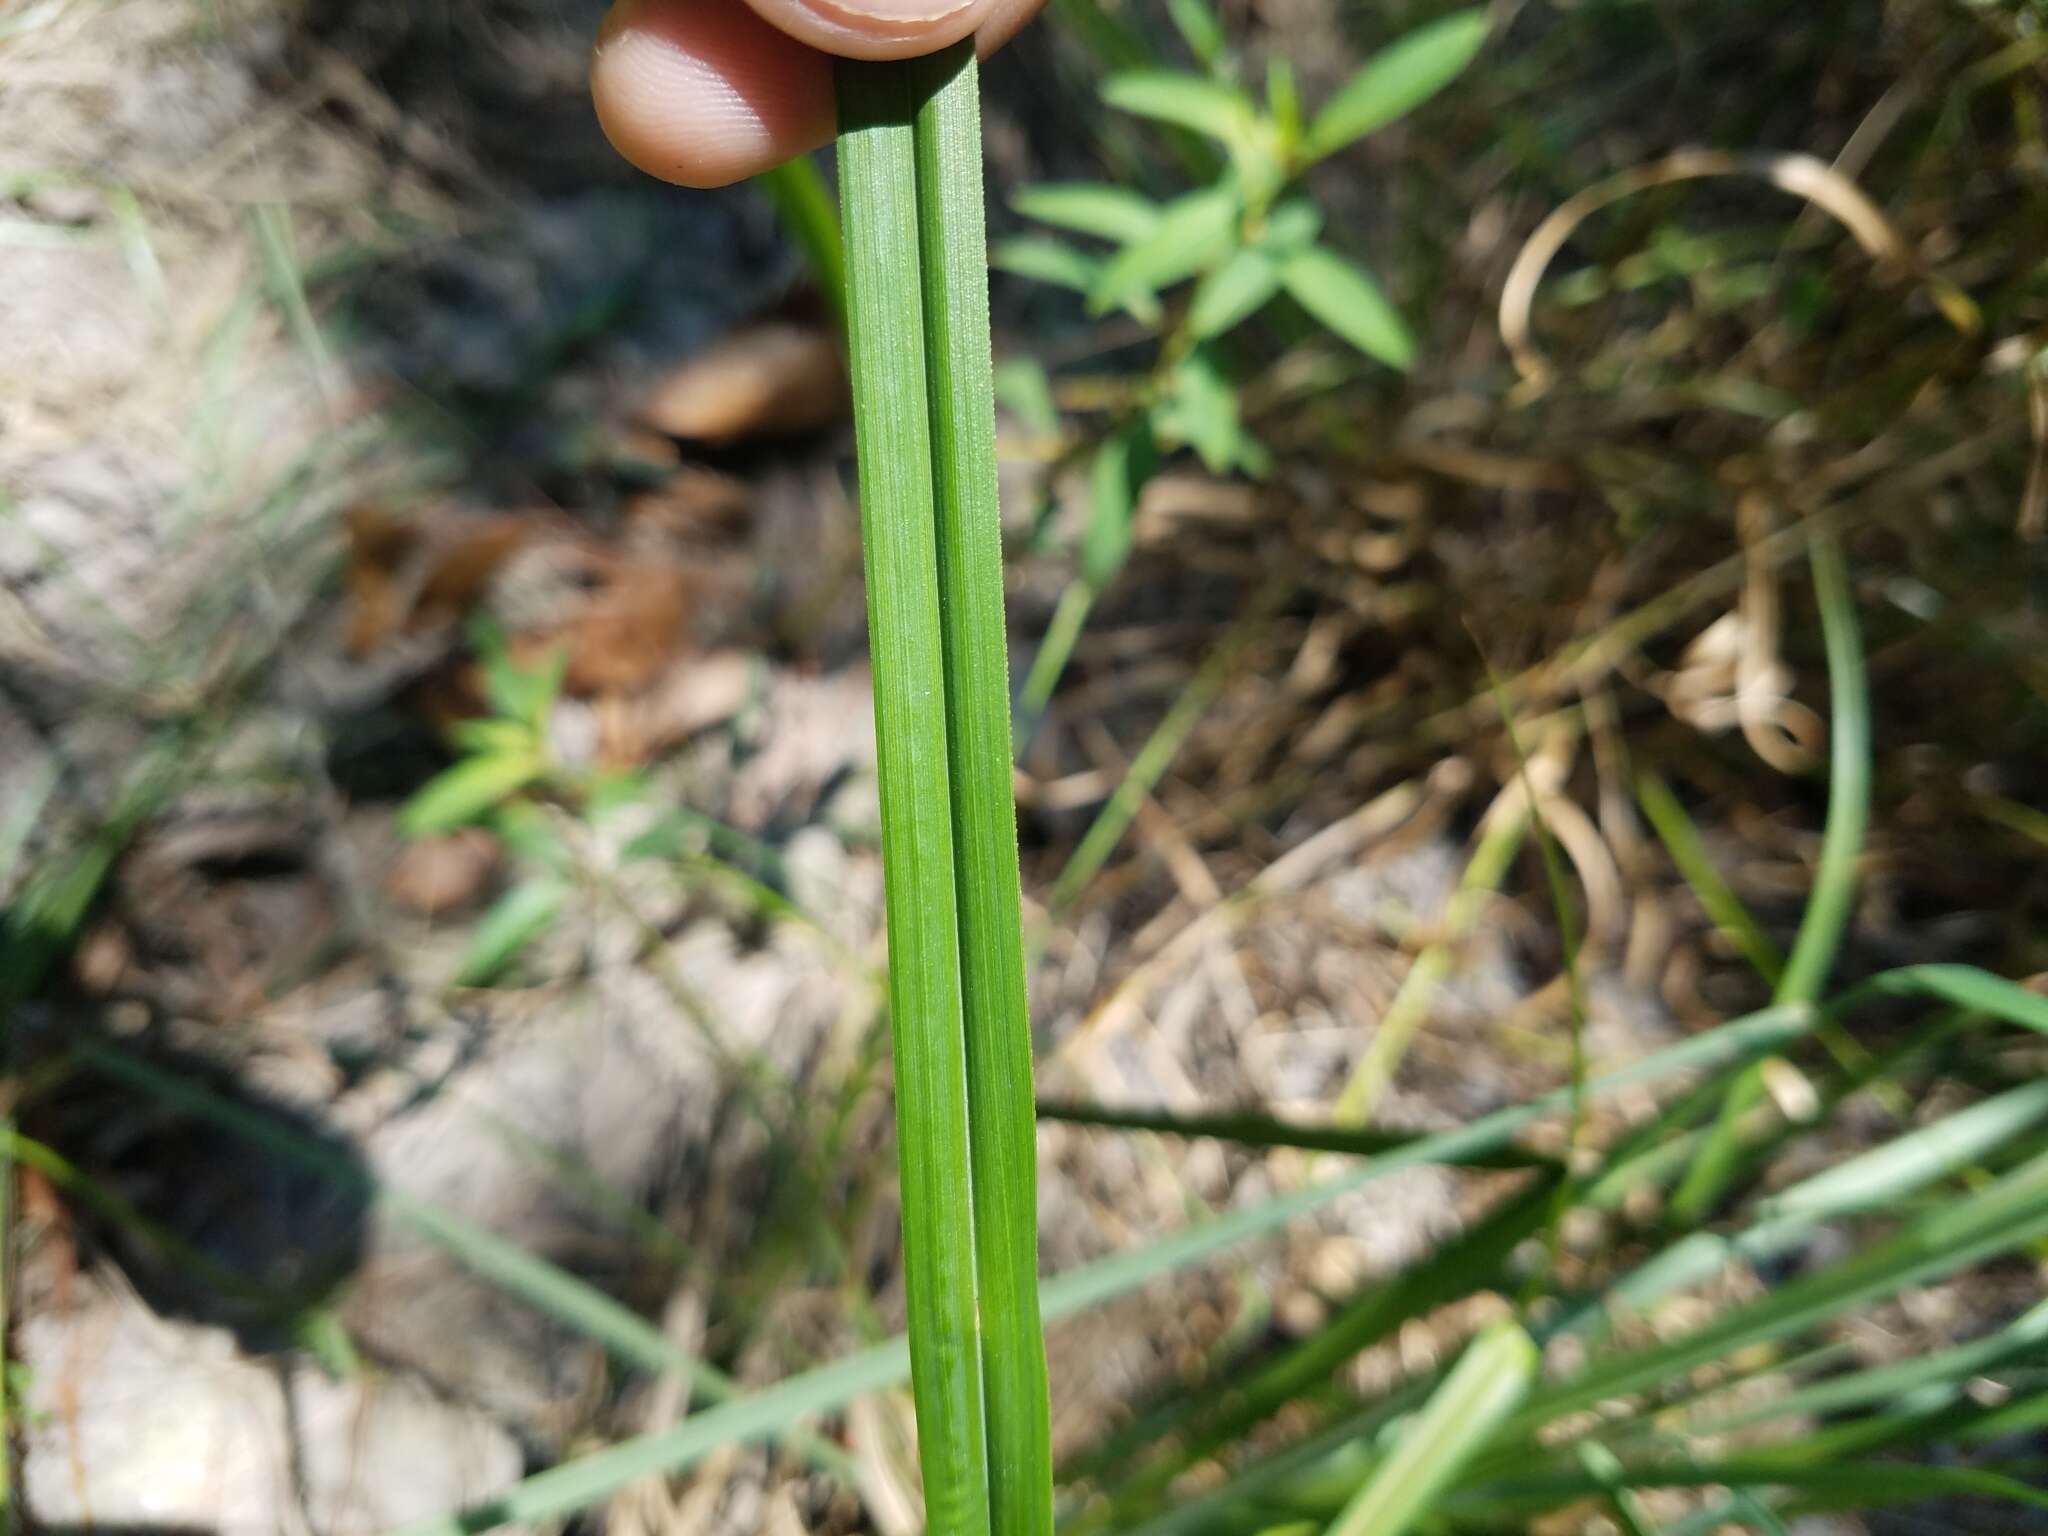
(464, 565)
(697, 693)
(378, 546)
(631, 630)
(691, 505)
(437, 875)
(772, 379)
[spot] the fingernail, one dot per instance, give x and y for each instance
(894, 12)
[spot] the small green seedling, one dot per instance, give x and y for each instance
(1252, 235)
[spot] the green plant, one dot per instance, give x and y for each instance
(918, 332)
(1248, 237)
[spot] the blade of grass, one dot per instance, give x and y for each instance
(1834, 885)
(878, 105)
(1569, 936)
(1499, 841)
(1716, 897)
(552, 1290)
(1155, 757)
(1001, 1130)
(768, 1413)
(2010, 1212)
(803, 203)
(1471, 1262)
(1463, 1414)
(1829, 907)
(1263, 1131)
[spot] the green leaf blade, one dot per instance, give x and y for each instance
(1090, 208)
(1233, 292)
(513, 922)
(1397, 80)
(464, 793)
(1002, 1140)
(1463, 1414)
(1351, 304)
(1194, 232)
(886, 329)
(1193, 102)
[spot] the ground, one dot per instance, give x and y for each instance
(335, 329)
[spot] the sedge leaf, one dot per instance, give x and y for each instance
(1349, 303)
(1397, 80)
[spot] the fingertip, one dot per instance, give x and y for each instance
(704, 92)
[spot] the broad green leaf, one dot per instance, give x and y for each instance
(1283, 101)
(1397, 80)
(1349, 303)
(1121, 467)
(1233, 292)
(531, 834)
(1194, 233)
(1463, 1414)
(524, 693)
(1290, 226)
(463, 793)
(1200, 410)
(1090, 208)
(1196, 22)
(1023, 389)
(1045, 260)
(514, 921)
(1187, 101)
(491, 736)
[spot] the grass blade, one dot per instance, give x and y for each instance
(878, 104)
(1834, 884)
(803, 203)
(1263, 1131)
(2012, 1211)
(1716, 897)
(564, 1489)
(1463, 1414)
(1002, 1137)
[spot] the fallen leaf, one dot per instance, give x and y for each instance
(436, 875)
(633, 627)
(771, 379)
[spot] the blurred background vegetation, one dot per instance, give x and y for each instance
(1529, 602)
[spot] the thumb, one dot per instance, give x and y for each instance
(876, 29)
